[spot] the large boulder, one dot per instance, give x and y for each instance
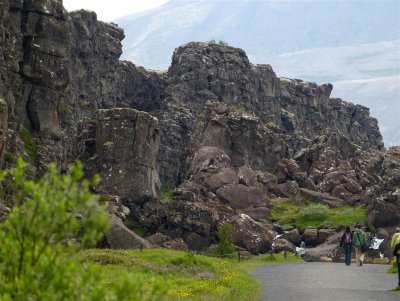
(126, 146)
(325, 250)
(282, 244)
(251, 235)
(310, 237)
(176, 244)
(157, 239)
(239, 196)
(320, 197)
(121, 237)
(293, 236)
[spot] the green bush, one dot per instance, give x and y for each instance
(225, 246)
(167, 191)
(46, 214)
(29, 144)
(314, 212)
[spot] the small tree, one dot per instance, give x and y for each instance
(225, 246)
(34, 262)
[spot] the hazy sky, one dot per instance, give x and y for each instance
(108, 10)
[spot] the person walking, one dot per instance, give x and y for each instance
(396, 252)
(360, 245)
(395, 238)
(346, 243)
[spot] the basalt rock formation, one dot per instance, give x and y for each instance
(228, 135)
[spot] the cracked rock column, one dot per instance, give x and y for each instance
(127, 143)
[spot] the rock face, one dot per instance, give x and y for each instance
(227, 134)
(120, 237)
(126, 145)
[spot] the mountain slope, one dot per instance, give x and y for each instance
(261, 27)
(343, 42)
(368, 74)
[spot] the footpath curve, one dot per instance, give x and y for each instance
(326, 282)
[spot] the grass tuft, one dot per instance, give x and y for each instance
(29, 144)
(167, 191)
(290, 213)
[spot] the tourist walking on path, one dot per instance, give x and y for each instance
(347, 244)
(395, 238)
(396, 252)
(360, 245)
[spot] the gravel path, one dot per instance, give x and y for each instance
(326, 282)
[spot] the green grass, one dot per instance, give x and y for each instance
(183, 276)
(29, 144)
(287, 213)
(167, 191)
(237, 108)
(250, 264)
(393, 268)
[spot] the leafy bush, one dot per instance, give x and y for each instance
(314, 212)
(225, 246)
(29, 144)
(47, 213)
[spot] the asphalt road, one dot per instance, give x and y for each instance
(326, 282)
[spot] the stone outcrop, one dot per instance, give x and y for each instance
(126, 147)
(227, 134)
(120, 237)
(202, 72)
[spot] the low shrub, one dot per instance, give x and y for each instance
(314, 212)
(225, 246)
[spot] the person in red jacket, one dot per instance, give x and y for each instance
(347, 244)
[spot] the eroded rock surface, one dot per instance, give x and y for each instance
(229, 135)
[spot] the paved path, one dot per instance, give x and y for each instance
(326, 282)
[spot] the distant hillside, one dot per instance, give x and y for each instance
(321, 41)
(368, 74)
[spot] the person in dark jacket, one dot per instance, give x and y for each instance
(347, 244)
(396, 252)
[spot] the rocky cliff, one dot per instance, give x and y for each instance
(229, 135)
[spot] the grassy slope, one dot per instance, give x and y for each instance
(287, 212)
(182, 276)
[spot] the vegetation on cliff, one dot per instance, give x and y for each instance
(315, 215)
(40, 260)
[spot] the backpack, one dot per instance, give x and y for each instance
(347, 238)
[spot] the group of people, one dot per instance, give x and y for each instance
(358, 240)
